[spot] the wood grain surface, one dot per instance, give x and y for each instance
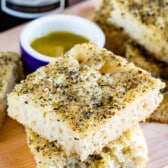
(14, 152)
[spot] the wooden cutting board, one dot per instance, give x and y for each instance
(14, 152)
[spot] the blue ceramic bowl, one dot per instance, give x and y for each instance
(58, 22)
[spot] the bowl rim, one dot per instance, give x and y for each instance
(65, 17)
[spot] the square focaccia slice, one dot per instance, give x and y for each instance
(129, 150)
(144, 21)
(10, 74)
(140, 57)
(85, 99)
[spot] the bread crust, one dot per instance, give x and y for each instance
(129, 150)
(10, 74)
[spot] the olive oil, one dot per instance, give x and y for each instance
(57, 43)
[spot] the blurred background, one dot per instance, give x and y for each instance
(15, 12)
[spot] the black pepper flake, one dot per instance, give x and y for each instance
(53, 145)
(38, 148)
(97, 105)
(110, 98)
(73, 72)
(30, 141)
(43, 147)
(87, 114)
(103, 116)
(70, 98)
(97, 157)
(140, 72)
(63, 93)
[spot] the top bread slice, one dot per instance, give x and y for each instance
(84, 99)
(140, 57)
(128, 151)
(10, 74)
(144, 21)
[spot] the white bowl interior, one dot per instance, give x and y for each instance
(59, 22)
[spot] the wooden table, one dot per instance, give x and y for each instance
(14, 152)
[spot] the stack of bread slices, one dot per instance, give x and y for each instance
(140, 27)
(83, 109)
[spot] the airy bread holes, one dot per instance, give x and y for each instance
(81, 59)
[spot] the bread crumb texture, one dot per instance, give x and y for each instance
(129, 150)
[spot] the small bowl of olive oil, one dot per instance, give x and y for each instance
(57, 43)
(46, 38)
